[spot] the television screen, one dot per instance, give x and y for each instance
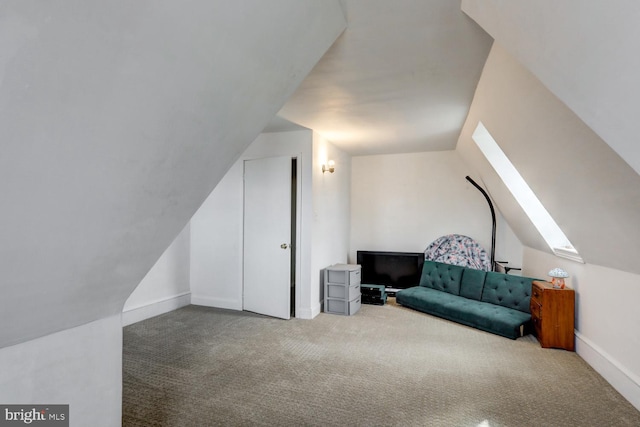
(397, 270)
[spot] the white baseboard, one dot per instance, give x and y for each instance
(308, 313)
(304, 313)
(625, 382)
(231, 304)
(315, 310)
(155, 308)
(234, 304)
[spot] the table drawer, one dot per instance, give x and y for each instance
(536, 309)
(341, 306)
(342, 291)
(536, 294)
(537, 324)
(354, 305)
(343, 277)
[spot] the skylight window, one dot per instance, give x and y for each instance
(523, 194)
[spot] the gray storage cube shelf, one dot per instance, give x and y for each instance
(342, 289)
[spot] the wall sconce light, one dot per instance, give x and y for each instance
(329, 167)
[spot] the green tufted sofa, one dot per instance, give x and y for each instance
(492, 302)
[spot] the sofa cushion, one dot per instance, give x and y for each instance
(507, 291)
(472, 283)
(481, 315)
(442, 277)
(426, 299)
(489, 317)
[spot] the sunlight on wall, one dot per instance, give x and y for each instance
(541, 219)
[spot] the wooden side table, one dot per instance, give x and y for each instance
(553, 314)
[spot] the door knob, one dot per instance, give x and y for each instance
(284, 246)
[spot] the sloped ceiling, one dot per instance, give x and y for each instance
(559, 93)
(585, 52)
(590, 191)
(117, 119)
(399, 79)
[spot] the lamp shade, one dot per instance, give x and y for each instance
(558, 272)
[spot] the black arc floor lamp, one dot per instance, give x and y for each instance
(493, 222)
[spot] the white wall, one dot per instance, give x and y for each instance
(166, 286)
(216, 228)
(403, 202)
(216, 245)
(607, 318)
(81, 366)
(331, 213)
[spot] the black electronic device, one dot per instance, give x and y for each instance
(394, 270)
(373, 294)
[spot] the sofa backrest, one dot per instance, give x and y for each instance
(442, 277)
(472, 283)
(508, 291)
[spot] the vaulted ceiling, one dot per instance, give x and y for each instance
(402, 75)
(399, 79)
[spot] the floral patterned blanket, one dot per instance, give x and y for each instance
(460, 250)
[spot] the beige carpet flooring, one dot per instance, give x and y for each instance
(385, 366)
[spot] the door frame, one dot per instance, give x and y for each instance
(298, 219)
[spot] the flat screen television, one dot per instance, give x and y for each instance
(395, 270)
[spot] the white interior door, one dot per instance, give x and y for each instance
(267, 234)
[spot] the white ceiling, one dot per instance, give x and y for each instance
(401, 78)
